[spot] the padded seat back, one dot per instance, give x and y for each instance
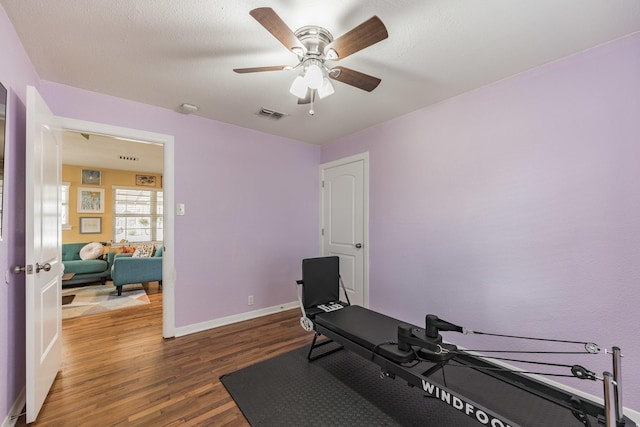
(71, 251)
(320, 281)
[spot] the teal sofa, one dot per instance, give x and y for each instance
(127, 270)
(85, 270)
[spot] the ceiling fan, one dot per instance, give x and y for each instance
(314, 46)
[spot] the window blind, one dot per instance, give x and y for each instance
(137, 215)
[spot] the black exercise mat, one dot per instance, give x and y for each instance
(344, 389)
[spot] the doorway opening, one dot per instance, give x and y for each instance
(134, 161)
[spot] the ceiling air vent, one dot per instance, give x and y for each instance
(271, 114)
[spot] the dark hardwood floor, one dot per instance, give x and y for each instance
(118, 370)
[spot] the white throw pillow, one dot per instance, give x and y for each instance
(91, 251)
(143, 251)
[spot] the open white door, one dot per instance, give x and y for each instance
(344, 226)
(43, 252)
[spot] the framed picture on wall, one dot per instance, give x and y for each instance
(90, 200)
(146, 180)
(91, 177)
(90, 225)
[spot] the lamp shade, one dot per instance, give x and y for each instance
(314, 76)
(299, 87)
(325, 89)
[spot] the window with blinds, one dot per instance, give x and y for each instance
(137, 215)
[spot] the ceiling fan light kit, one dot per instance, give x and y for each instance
(313, 77)
(314, 46)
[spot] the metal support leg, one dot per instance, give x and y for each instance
(315, 344)
(609, 400)
(617, 378)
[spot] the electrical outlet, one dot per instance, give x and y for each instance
(250, 300)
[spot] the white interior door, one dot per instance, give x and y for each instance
(344, 222)
(42, 253)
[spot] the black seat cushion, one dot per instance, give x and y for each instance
(363, 326)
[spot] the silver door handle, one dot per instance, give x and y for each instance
(45, 267)
(358, 245)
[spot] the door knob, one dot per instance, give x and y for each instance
(358, 245)
(45, 267)
(28, 269)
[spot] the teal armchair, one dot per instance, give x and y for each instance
(127, 270)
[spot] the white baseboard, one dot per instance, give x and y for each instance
(15, 409)
(223, 321)
(633, 415)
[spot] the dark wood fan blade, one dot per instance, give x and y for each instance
(276, 26)
(260, 69)
(364, 35)
(355, 78)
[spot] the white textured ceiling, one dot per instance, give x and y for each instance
(168, 52)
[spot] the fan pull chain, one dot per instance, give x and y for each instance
(313, 96)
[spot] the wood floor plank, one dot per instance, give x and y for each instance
(118, 370)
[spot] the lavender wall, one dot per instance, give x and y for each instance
(515, 208)
(16, 72)
(512, 208)
(251, 203)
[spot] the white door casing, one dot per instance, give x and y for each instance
(43, 236)
(344, 222)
